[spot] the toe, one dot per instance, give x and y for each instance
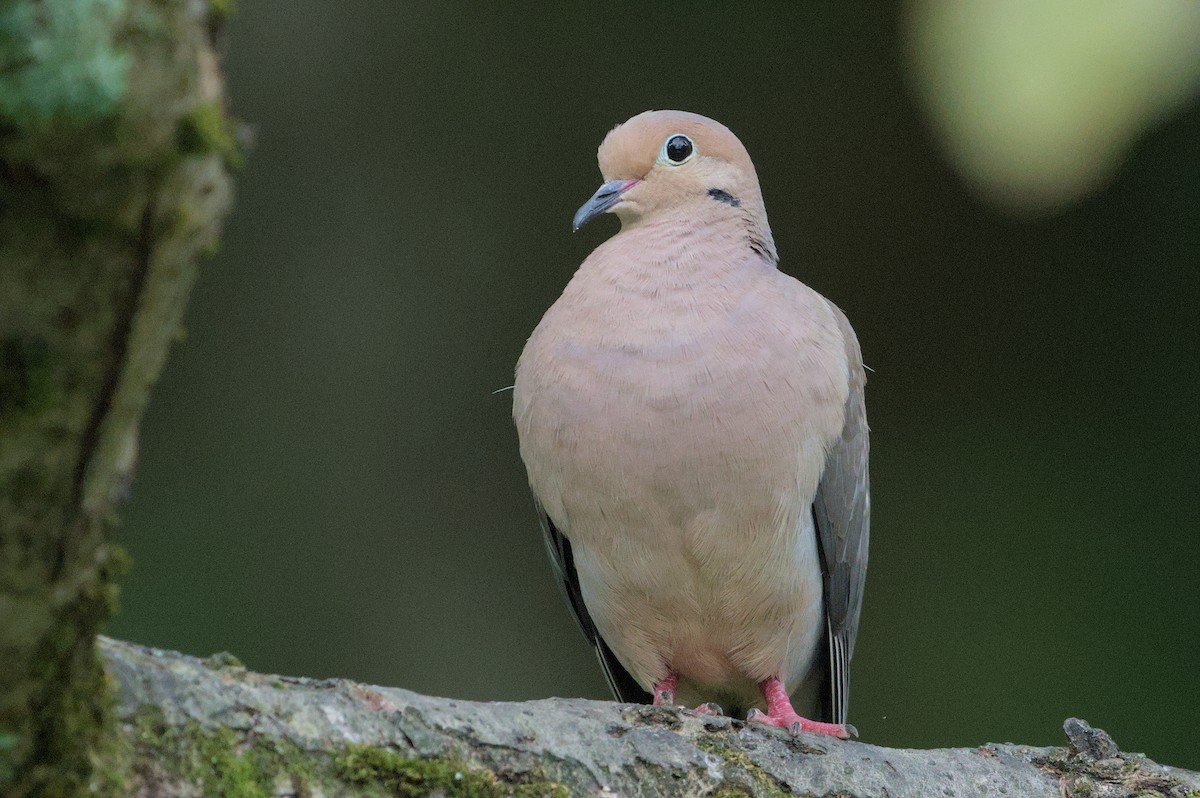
(796, 724)
(832, 729)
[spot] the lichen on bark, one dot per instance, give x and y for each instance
(103, 216)
(210, 726)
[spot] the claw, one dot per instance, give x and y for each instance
(710, 709)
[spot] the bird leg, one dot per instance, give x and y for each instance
(780, 713)
(664, 696)
(664, 691)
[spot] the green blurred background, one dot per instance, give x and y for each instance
(328, 485)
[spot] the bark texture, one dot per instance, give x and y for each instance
(114, 154)
(209, 727)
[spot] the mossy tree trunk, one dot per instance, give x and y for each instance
(114, 155)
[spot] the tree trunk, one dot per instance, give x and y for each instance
(114, 149)
(192, 727)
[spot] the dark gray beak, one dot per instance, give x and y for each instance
(605, 197)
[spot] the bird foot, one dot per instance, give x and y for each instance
(664, 691)
(780, 713)
(666, 698)
(795, 724)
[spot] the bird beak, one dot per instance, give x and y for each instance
(605, 197)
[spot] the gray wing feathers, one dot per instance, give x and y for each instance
(562, 561)
(842, 510)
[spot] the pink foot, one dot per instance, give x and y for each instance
(709, 709)
(780, 713)
(664, 691)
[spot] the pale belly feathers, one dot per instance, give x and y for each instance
(679, 451)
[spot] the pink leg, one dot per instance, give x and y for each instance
(781, 714)
(664, 695)
(664, 691)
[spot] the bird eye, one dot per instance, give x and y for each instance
(677, 150)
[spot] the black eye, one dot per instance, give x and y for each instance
(679, 148)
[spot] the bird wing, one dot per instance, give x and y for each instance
(563, 562)
(842, 511)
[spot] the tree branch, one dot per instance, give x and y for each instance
(208, 725)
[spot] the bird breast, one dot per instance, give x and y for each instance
(687, 389)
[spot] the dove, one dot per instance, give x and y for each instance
(692, 422)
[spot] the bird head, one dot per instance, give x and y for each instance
(672, 162)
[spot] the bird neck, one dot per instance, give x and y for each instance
(690, 234)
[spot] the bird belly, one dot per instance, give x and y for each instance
(690, 521)
(724, 618)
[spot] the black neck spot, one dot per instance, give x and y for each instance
(721, 195)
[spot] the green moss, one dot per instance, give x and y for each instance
(59, 61)
(206, 130)
(407, 777)
(224, 762)
(26, 376)
(739, 767)
(72, 706)
(1085, 776)
(219, 761)
(58, 733)
(222, 660)
(227, 771)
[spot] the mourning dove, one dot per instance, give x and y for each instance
(692, 422)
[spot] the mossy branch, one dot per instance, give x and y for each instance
(208, 726)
